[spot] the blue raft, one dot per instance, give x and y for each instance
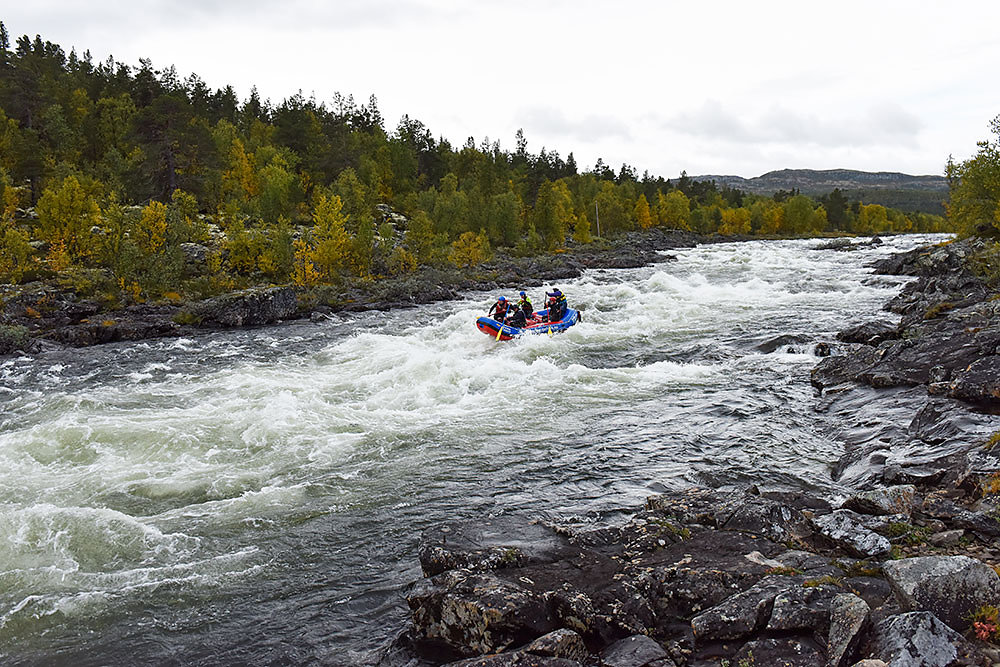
(537, 325)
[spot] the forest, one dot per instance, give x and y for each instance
(112, 177)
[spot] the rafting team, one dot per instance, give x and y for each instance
(522, 313)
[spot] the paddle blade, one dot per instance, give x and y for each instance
(499, 331)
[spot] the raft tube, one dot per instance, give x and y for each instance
(490, 327)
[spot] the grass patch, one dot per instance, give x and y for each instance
(823, 581)
(938, 309)
(186, 317)
(861, 568)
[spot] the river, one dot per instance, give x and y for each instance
(257, 497)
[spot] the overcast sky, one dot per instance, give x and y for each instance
(708, 87)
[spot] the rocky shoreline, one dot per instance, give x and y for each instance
(39, 316)
(903, 572)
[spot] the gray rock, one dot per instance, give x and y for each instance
(194, 253)
(888, 500)
(790, 652)
(803, 608)
(946, 538)
(562, 643)
(743, 614)
(869, 662)
(844, 528)
(949, 586)
(634, 651)
(870, 333)
(249, 307)
(769, 518)
(474, 613)
(918, 639)
(849, 616)
(515, 659)
(979, 382)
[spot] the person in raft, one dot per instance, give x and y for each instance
(556, 304)
(501, 307)
(524, 305)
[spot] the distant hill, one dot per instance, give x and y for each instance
(889, 188)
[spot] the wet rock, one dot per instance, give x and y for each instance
(849, 619)
(844, 528)
(743, 614)
(790, 652)
(249, 307)
(951, 587)
(562, 643)
(920, 639)
(470, 613)
(515, 659)
(846, 365)
(870, 333)
(636, 651)
(773, 344)
(890, 500)
(499, 543)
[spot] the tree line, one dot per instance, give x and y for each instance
(108, 170)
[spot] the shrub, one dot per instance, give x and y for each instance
(14, 337)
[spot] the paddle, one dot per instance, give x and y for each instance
(502, 318)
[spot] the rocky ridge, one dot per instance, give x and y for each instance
(897, 574)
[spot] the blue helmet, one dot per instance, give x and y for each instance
(522, 294)
(503, 298)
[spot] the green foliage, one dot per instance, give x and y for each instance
(975, 188)
(14, 337)
(985, 263)
(66, 215)
(14, 254)
(470, 249)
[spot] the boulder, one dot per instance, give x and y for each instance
(780, 652)
(803, 609)
(743, 614)
(475, 613)
(562, 643)
(889, 500)
(248, 307)
(846, 530)
(870, 333)
(920, 639)
(515, 659)
(951, 587)
(635, 651)
(979, 382)
(849, 618)
(194, 253)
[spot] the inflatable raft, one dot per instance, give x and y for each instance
(536, 325)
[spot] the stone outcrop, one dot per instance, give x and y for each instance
(697, 576)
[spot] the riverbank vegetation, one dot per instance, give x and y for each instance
(129, 184)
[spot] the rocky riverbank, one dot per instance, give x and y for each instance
(40, 315)
(901, 572)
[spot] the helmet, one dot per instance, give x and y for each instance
(503, 298)
(522, 294)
